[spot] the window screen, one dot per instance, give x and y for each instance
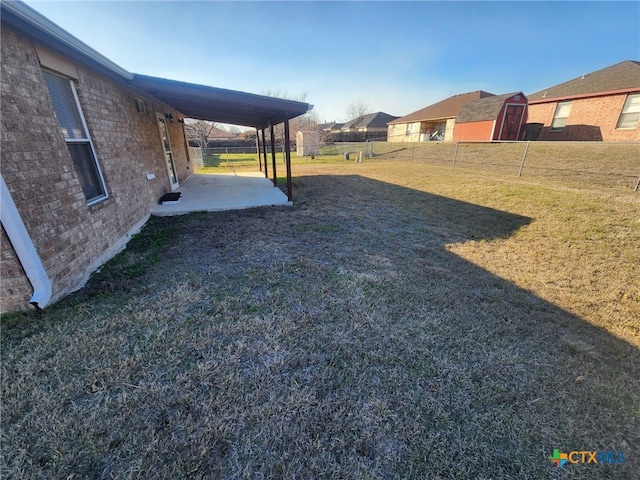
(630, 112)
(561, 115)
(73, 129)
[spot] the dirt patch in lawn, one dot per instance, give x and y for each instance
(369, 331)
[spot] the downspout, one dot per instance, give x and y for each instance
(287, 144)
(24, 248)
(258, 149)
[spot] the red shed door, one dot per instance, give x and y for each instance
(511, 122)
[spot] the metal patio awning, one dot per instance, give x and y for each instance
(220, 105)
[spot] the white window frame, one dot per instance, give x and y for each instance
(556, 117)
(625, 111)
(86, 140)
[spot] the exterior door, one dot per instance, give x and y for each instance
(168, 154)
(511, 122)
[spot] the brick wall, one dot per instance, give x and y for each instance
(589, 119)
(71, 237)
(397, 132)
(449, 129)
(15, 285)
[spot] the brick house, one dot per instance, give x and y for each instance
(601, 106)
(433, 123)
(87, 150)
(495, 118)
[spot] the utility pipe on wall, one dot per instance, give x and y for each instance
(24, 248)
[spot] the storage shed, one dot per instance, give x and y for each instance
(501, 117)
(307, 143)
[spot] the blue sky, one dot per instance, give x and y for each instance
(396, 57)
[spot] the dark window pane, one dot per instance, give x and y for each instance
(86, 168)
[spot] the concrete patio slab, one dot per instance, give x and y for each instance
(215, 192)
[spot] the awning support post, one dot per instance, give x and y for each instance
(273, 155)
(264, 151)
(287, 152)
(258, 149)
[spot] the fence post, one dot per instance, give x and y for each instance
(637, 185)
(455, 155)
(227, 149)
(523, 157)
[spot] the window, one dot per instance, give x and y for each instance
(141, 107)
(630, 112)
(74, 129)
(561, 116)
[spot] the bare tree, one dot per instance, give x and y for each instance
(305, 122)
(199, 131)
(233, 130)
(357, 109)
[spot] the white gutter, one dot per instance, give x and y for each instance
(24, 248)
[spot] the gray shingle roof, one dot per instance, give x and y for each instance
(447, 108)
(483, 109)
(371, 120)
(330, 126)
(621, 76)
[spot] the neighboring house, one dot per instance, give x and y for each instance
(603, 105)
(330, 131)
(500, 117)
(196, 133)
(372, 126)
(87, 151)
(432, 123)
(331, 127)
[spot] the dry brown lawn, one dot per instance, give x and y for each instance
(401, 320)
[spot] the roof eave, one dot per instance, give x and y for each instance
(38, 27)
(226, 106)
(437, 119)
(585, 95)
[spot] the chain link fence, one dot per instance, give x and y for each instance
(593, 163)
(574, 163)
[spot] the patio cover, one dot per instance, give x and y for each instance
(229, 106)
(220, 105)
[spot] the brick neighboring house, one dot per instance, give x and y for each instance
(87, 151)
(432, 123)
(500, 117)
(603, 105)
